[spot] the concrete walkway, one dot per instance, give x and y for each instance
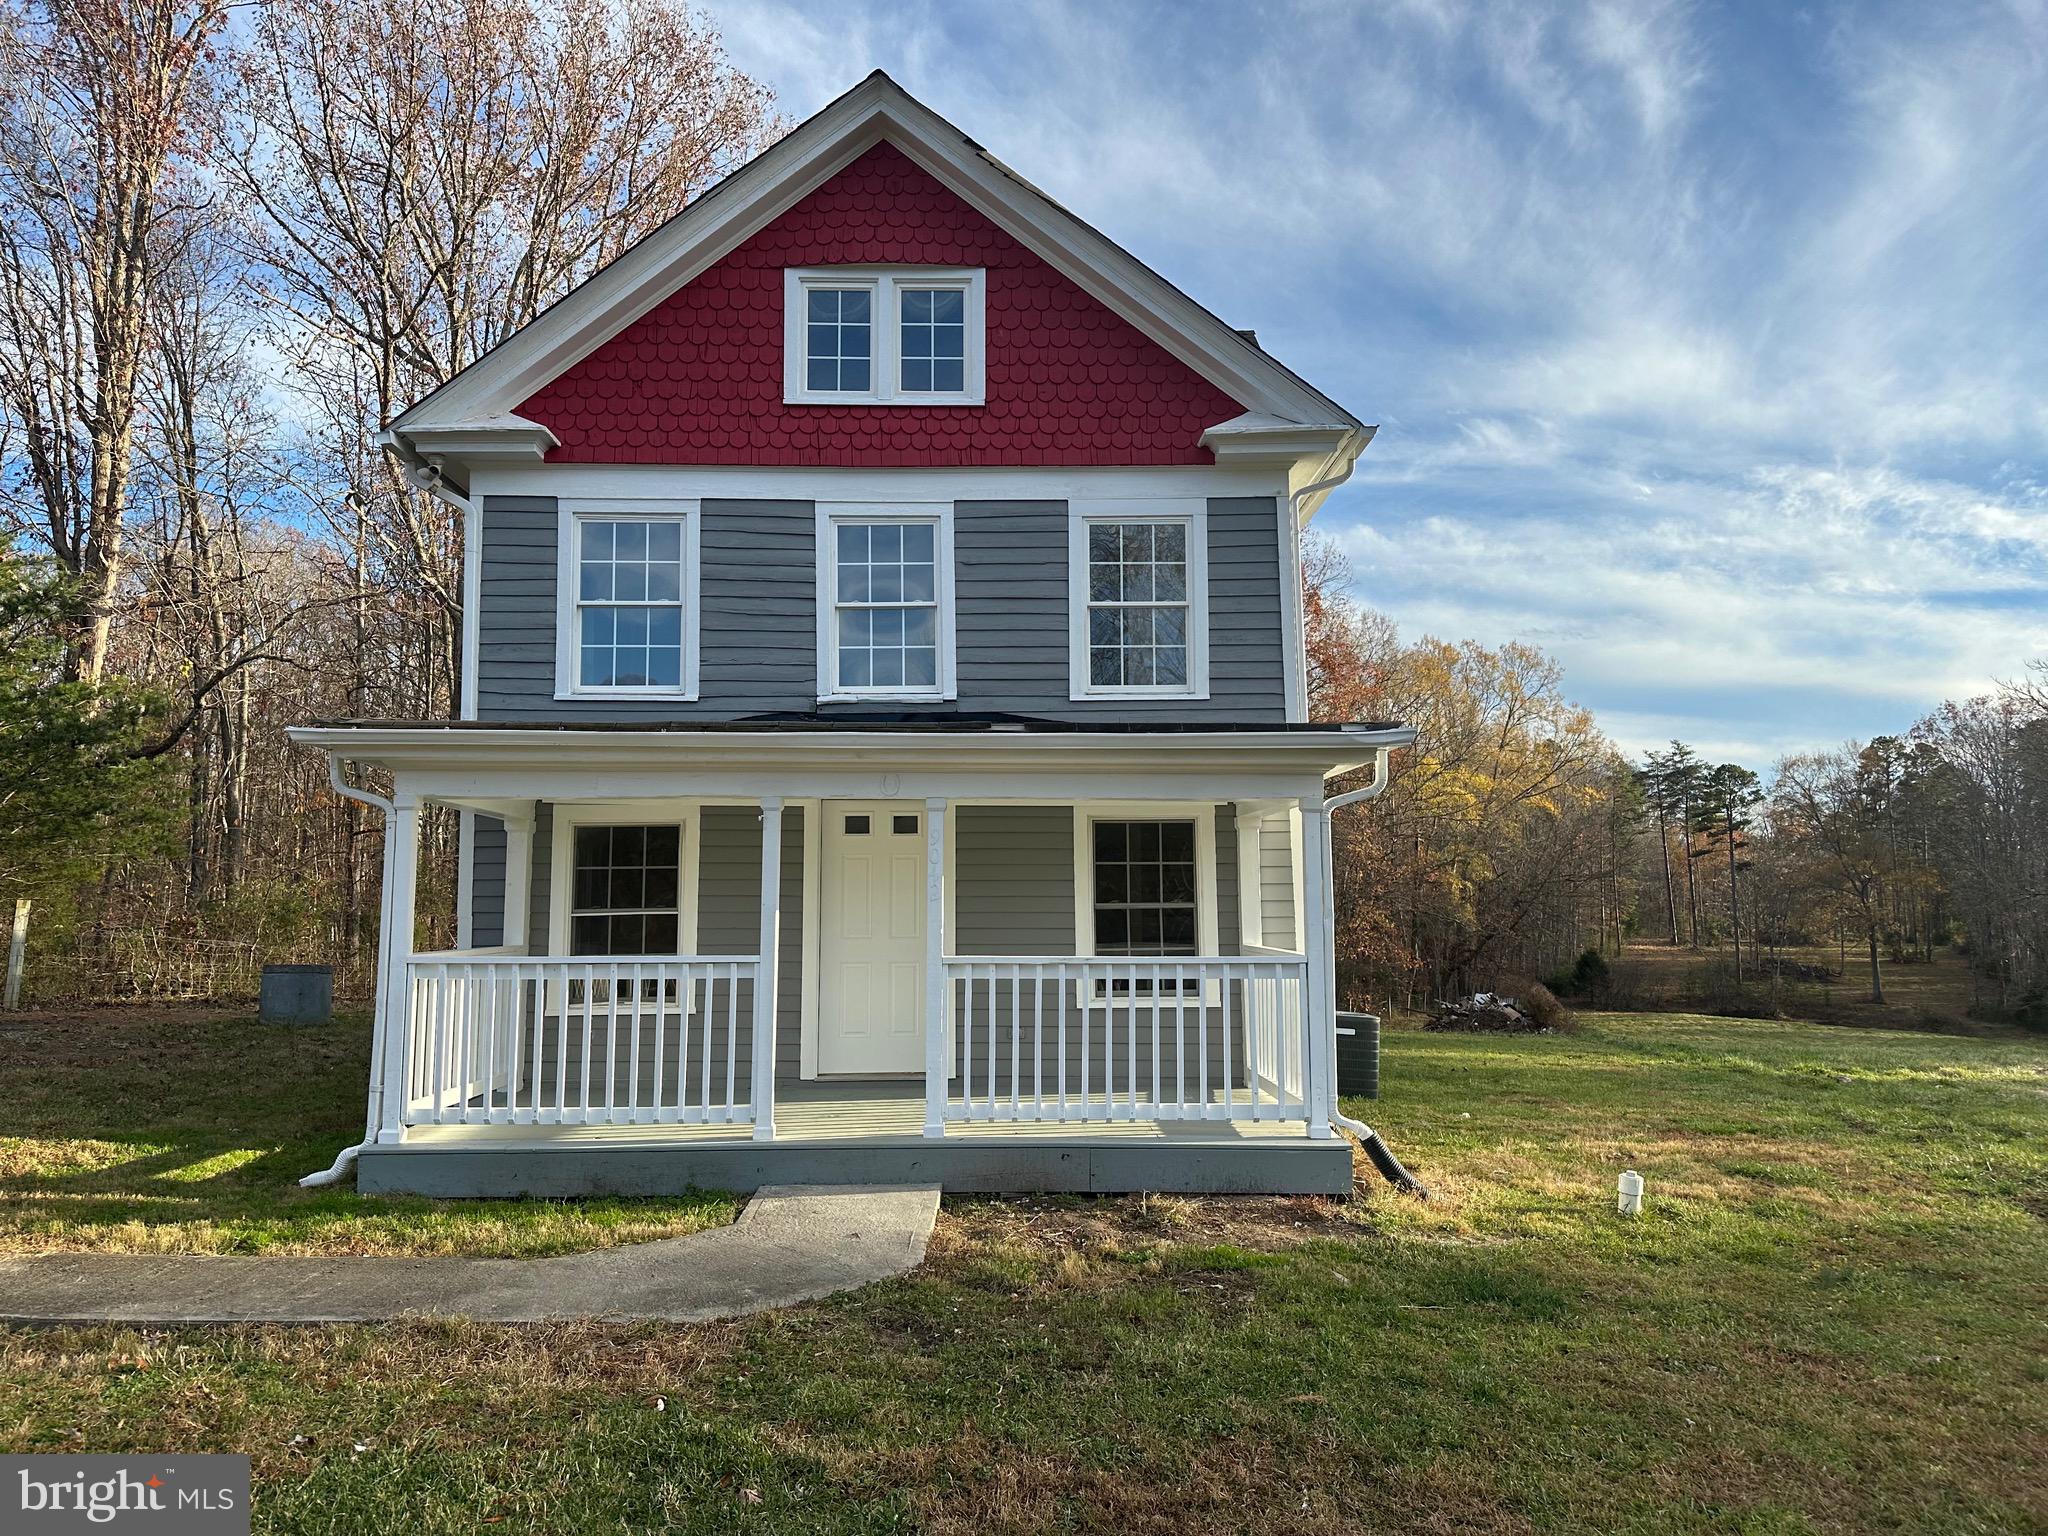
(792, 1243)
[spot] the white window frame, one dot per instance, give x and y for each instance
(568, 816)
(568, 582)
(830, 515)
(1191, 514)
(1208, 936)
(886, 287)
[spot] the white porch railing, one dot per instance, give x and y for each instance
(1062, 1038)
(493, 1039)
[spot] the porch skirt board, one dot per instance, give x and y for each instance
(1276, 1167)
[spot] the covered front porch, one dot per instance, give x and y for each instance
(990, 987)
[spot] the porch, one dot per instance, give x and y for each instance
(1120, 988)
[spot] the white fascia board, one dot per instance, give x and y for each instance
(797, 165)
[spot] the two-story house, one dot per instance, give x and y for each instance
(884, 740)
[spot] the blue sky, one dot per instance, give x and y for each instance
(1709, 344)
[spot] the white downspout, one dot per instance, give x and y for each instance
(375, 1112)
(1375, 1149)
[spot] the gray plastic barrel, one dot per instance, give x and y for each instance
(296, 994)
(1358, 1055)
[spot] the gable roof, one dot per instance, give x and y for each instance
(472, 414)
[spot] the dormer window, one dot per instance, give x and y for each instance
(883, 336)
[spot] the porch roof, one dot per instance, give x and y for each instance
(799, 756)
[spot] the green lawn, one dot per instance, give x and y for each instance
(187, 1130)
(1833, 1317)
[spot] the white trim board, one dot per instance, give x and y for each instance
(885, 287)
(570, 515)
(826, 566)
(571, 814)
(708, 482)
(1193, 515)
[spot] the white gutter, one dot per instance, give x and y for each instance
(375, 1113)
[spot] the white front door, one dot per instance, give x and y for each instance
(871, 951)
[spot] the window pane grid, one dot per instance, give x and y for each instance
(886, 601)
(1145, 893)
(1138, 605)
(629, 603)
(625, 891)
(933, 340)
(839, 339)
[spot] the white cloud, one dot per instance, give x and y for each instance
(1708, 355)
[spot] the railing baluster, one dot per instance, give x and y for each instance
(1016, 1032)
(991, 1041)
(437, 1049)
(1038, 1042)
(732, 1030)
(1180, 1035)
(967, 1042)
(1156, 979)
(1061, 997)
(490, 1040)
(704, 1047)
(1087, 1002)
(1131, 1046)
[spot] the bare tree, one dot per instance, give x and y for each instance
(100, 98)
(427, 176)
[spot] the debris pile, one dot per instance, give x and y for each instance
(1485, 1013)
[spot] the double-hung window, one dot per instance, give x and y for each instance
(884, 336)
(1139, 592)
(1145, 891)
(885, 603)
(628, 601)
(626, 890)
(626, 897)
(1145, 887)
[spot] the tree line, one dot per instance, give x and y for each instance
(1515, 837)
(234, 241)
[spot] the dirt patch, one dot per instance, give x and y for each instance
(1056, 1224)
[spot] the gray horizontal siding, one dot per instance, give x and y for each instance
(1276, 881)
(487, 882)
(759, 621)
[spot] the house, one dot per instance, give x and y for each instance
(884, 750)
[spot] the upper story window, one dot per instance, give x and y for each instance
(627, 601)
(885, 603)
(883, 336)
(1138, 587)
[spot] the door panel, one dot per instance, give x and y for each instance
(871, 949)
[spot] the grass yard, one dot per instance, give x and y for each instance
(186, 1131)
(1833, 1317)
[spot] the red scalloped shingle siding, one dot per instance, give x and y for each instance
(698, 379)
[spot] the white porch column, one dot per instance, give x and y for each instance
(935, 968)
(766, 977)
(518, 878)
(402, 862)
(1319, 1005)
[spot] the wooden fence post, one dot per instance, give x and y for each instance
(17, 946)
